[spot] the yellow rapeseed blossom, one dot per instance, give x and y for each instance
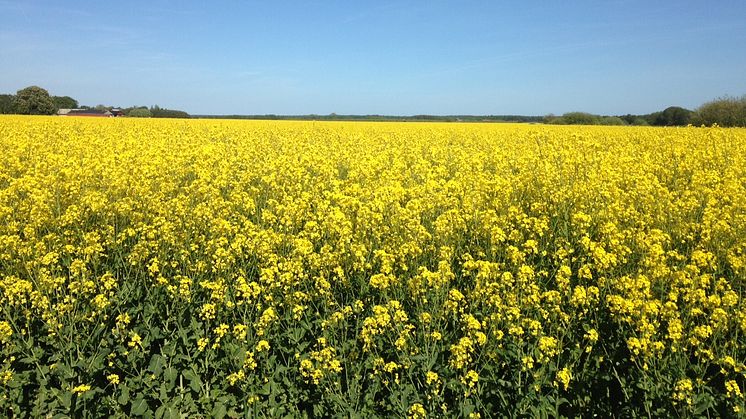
(376, 251)
(683, 391)
(733, 390)
(5, 332)
(81, 388)
(262, 346)
(416, 411)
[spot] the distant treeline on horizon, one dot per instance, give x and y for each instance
(34, 100)
(412, 118)
(725, 111)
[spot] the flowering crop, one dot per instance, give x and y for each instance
(231, 268)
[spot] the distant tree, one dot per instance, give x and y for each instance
(158, 112)
(629, 118)
(673, 116)
(557, 120)
(139, 113)
(7, 104)
(580, 118)
(612, 120)
(651, 118)
(640, 121)
(34, 100)
(548, 118)
(726, 112)
(64, 102)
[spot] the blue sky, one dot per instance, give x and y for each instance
(382, 57)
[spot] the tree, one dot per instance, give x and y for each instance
(726, 112)
(7, 104)
(673, 116)
(158, 112)
(139, 113)
(580, 118)
(64, 102)
(612, 120)
(34, 100)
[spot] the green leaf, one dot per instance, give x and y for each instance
(167, 412)
(195, 383)
(219, 410)
(265, 390)
(139, 407)
(157, 362)
(159, 411)
(65, 398)
(172, 413)
(28, 360)
(169, 375)
(124, 396)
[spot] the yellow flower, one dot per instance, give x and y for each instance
(81, 389)
(135, 340)
(733, 390)
(5, 332)
(416, 411)
(461, 353)
(235, 377)
(431, 378)
(683, 391)
(470, 379)
(262, 346)
(563, 378)
(6, 376)
(207, 312)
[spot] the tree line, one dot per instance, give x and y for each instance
(725, 111)
(34, 100)
(154, 112)
(384, 118)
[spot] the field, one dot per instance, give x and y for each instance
(251, 268)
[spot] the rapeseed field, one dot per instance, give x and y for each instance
(252, 268)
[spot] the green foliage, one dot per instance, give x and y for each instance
(574, 118)
(725, 112)
(612, 120)
(7, 104)
(158, 112)
(64, 102)
(139, 113)
(580, 118)
(673, 116)
(34, 100)
(154, 112)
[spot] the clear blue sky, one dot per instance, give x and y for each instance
(378, 57)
